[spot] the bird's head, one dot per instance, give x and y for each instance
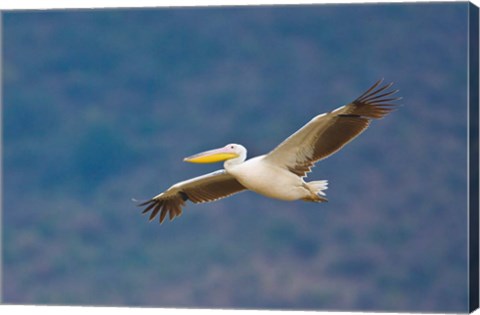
(231, 151)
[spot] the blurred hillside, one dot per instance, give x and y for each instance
(102, 105)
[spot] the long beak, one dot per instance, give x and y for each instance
(211, 156)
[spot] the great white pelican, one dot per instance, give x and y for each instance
(279, 174)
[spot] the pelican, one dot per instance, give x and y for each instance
(281, 173)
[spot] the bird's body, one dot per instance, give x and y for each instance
(256, 174)
(269, 179)
(279, 174)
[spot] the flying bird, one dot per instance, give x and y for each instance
(281, 173)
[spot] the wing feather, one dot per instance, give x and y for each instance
(206, 188)
(327, 133)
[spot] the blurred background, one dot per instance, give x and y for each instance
(101, 106)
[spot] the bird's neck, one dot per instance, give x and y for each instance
(233, 162)
(242, 156)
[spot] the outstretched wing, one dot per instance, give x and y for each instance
(327, 133)
(206, 188)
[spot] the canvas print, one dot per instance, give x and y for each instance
(284, 157)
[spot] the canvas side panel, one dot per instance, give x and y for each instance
(473, 159)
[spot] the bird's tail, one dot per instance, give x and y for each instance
(317, 189)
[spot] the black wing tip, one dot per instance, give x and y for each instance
(373, 96)
(378, 101)
(172, 207)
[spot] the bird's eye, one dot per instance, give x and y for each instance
(232, 147)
